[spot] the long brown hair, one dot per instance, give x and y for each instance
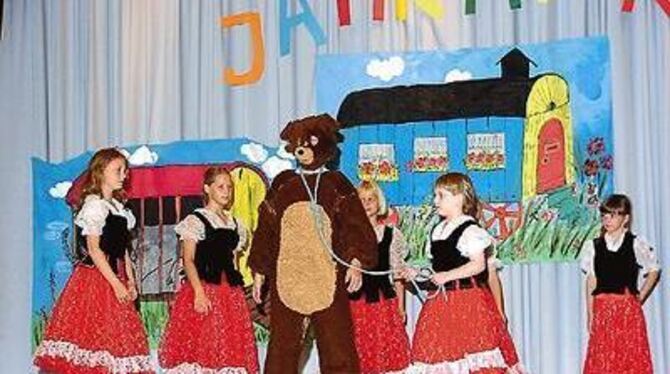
(95, 174)
(458, 183)
(210, 175)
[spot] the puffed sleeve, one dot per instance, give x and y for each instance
(646, 256)
(130, 218)
(474, 241)
(190, 228)
(399, 250)
(586, 258)
(92, 215)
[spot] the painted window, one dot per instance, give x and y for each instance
(430, 155)
(377, 162)
(485, 151)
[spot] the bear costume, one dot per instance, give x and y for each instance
(290, 254)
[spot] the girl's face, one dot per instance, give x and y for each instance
(220, 191)
(370, 203)
(614, 222)
(447, 204)
(114, 174)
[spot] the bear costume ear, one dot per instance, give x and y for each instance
(330, 128)
(289, 134)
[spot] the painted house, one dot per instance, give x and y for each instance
(511, 134)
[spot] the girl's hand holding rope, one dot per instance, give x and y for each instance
(353, 277)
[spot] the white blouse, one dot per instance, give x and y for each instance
(645, 256)
(475, 240)
(92, 215)
(192, 228)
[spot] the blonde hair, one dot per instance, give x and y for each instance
(96, 171)
(458, 183)
(373, 187)
(210, 176)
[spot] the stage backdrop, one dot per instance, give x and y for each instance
(530, 124)
(82, 75)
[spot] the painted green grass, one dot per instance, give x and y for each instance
(554, 228)
(154, 315)
(553, 239)
(38, 325)
(261, 333)
(415, 224)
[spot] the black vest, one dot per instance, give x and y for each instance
(616, 271)
(446, 256)
(214, 254)
(114, 242)
(374, 285)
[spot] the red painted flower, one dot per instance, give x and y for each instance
(596, 146)
(591, 167)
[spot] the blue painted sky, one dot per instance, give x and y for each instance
(584, 63)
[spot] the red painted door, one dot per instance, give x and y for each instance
(551, 156)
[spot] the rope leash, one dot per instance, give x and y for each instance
(424, 273)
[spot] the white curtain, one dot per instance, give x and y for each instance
(76, 75)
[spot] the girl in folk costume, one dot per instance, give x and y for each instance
(210, 328)
(459, 329)
(612, 262)
(94, 327)
(378, 308)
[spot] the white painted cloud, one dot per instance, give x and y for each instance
(456, 75)
(57, 225)
(281, 151)
(255, 152)
(124, 152)
(386, 69)
(275, 165)
(143, 156)
(59, 190)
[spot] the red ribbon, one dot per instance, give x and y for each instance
(627, 6)
(378, 10)
(344, 12)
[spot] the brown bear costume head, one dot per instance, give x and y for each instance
(313, 140)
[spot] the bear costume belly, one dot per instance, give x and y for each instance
(306, 274)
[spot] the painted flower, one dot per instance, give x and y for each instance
(596, 146)
(607, 162)
(591, 167)
(591, 189)
(547, 215)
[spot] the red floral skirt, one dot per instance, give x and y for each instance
(618, 340)
(379, 333)
(463, 334)
(220, 341)
(90, 331)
